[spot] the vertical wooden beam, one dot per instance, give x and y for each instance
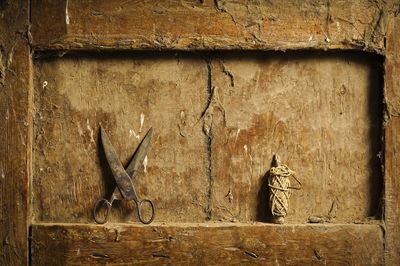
(15, 131)
(392, 143)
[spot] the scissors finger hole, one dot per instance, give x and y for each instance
(101, 211)
(146, 211)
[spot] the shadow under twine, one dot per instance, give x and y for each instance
(263, 211)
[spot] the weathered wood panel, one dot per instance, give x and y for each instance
(126, 94)
(210, 24)
(321, 112)
(207, 244)
(344, 159)
(15, 132)
(392, 144)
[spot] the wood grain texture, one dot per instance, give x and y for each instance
(210, 24)
(207, 244)
(15, 132)
(392, 144)
(126, 94)
(331, 138)
(321, 112)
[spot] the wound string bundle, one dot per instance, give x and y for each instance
(279, 189)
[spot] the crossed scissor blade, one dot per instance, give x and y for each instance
(122, 176)
(122, 179)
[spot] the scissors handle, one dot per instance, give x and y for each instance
(97, 207)
(139, 204)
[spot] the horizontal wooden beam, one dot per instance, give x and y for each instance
(207, 244)
(208, 24)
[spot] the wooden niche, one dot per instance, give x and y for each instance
(218, 119)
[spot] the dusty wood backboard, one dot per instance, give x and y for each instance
(320, 112)
(219, 116)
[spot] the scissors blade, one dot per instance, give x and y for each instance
(140, 154)
(122, 178)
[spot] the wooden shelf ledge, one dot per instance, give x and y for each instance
(207, 244)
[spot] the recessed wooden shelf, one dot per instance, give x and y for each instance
(206, 244)
(320, 111)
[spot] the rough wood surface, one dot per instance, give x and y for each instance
(207, 244)
(335, 129)
(392, 144)
(319, 112)
(262, 104)
(210, 24)
(15, 131)
(126, 94)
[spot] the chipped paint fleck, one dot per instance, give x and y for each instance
(132, 133)
(80, 131)
(141, 122)
(338, 26)
(44, 86)
(90, 131)
(66, 13)
(237, 134)
(145, 161)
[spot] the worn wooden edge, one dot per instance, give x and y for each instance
(392, 144)
(207, 244)
(15, 131)
(87, 43)
(207, 25)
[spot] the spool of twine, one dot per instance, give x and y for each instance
(279, 188)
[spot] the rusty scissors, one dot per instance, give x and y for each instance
(125, 188)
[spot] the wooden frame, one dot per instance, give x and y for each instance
(195, 25)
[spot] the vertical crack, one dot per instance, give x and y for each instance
(209, 137)
(30, 245)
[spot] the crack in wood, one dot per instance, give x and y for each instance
(209, 144)
(96, 255)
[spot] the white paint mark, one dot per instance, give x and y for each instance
(3, 176)
(78, 252)
(44, 86)
(90, 131)
(338, 26)
(80, 131)
(246, 149)
(310, 39)
(145, 164)
(328, 40)
(141, 122)
(66, 13)
(237, 134)
(132, 133)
